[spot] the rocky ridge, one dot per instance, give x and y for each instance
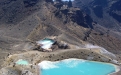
(38, 19)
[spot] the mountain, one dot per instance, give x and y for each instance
(31, 20)
(91, 26)
(26, 21)
(107, 13)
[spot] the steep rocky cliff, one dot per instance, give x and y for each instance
(106, 12)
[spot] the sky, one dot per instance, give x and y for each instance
(66, 0)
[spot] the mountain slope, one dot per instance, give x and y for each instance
(107, 13)
(38, 19)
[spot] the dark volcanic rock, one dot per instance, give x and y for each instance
(73, 14)
(116, 6)
(115, 10)
(115, 16)
(14, 11)
(98, 10)
(106, 12)
(99, 2)
(48, 0)
(29, 3)
(78, 17)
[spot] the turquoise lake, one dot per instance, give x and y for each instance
(22, 62)
(75, 67)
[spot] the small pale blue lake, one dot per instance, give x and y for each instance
(75, 67)
(22, 62)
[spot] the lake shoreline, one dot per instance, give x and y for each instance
(35, 57)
